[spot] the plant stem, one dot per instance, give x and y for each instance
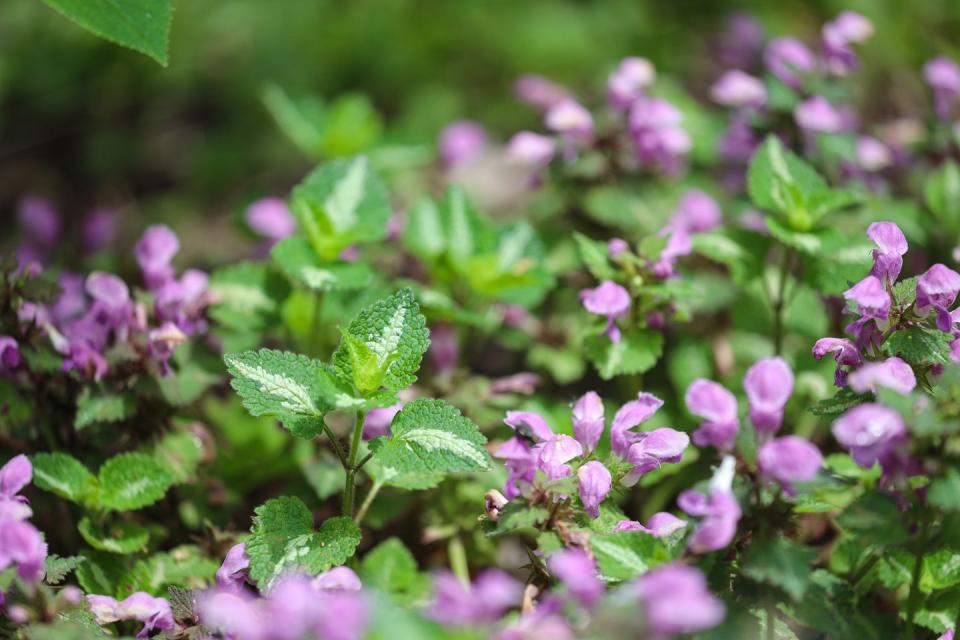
(337, 449)
(367, 501)
(913, 599)
(864, 569)
(771, 621)
(350, 486)
(458, 559)
(779, 301)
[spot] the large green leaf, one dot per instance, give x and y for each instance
(624, 556)
(132, 481)
(64, 475)
(116, 537)
(637, 351)
(298, 259)
(781, 563)
(142, 25)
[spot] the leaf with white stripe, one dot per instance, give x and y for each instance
(281, 384)
(298, 259)
(624, 556)
(384, 344)
(63, 475)
(132, 481)
(430, 437)
(341, 203)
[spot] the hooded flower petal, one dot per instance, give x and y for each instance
(892, 373)
(576, 570)
(676, 601)
(871, 297)
(718, 407)
(588, 420)
(154, 252)
(652, 449)
(629, 416)
(555, 453)
(610, 300)
(768, 384)
(595, 483)
(627, 83)
(268, 217)
(659, 525)
(871, 432)
(15, 475)
(461, 142)
(789, 459)
(891, 246)
(232, 574)
(736, 88)
(937, 289)
(529, 425)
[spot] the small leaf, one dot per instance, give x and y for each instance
(780, 562)
(179, 452)
(624, 556)
(391, 568)
(875, 519)
(389, 337)
(282, 539)
(100, 573)
(340, 204)
(132, 481)
(779, 181)
(99, 406)
(248, 296)
(841, 401)
(117, 537)
(920, 345)
(56, 568)
(63, 475)
(142, 25)
(944, 492)
(183, 565)
(594, 256)
(298, 259)
(430, 437)
(941, 192)
(638, 351)
(281, 384)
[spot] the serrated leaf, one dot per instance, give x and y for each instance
(247, 296)
(637, 351)
(142, 25)
(944, 492)
(341, 203)
(132, 481)
(298, 259)
(941, 570)
(841, 401)
(594, 256)
(920, 345)
(63, 475)
(282, 539)
(394, 334)
(183, 565)
(780, 562)
(741, 251)
(57, 568)
(179, 452)
(516, 515)
(430, 437)
(116, 537)
(391, 568)
(281, 384)
(100, 573)
(468, 234)
(624, 556)
(101, 406)
(875, 519)
(779, 181)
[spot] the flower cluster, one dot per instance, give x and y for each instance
(21, 545)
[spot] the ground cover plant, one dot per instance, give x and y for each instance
(677, 359)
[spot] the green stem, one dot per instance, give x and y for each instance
(350, 486)
(458, 559)
(913, 599)
(367, 501)
(334, 444)
(771, 621)
(779, 301)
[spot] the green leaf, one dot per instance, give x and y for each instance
(920, 345)
(781, 563)
(63, 475)
(778, 180)
(875, 519)
(424, 233)
(841, 401)
(179, 452)
(100, 573)
(56, 568)
(430, 437)
(340, 204)
(248, 296)
(741, 251)
(637, 352)
(389, 337)
(944, 492)
(941, 570)
(183, 565)
(941, 191)
(517, 515)
(594, 256)
(282, 539)
(391, 568)
(281, 384)
(132, 481)
(298, 259)
(142, 25)
(116, 537)
(467, 233)
(626, 555)
(101, 406)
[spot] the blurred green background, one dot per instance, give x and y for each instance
(86, 122)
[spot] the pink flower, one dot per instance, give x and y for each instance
(768, 383)
(659, 525)
(571, 120)
(718, 407)
(718, 510)
(818, 115)
(675, 601)
(626, 84)
(736, 88)
(891, 246)
(595, 482)
(789, 60)
(610, 300)
(271, 218)
(461, 142)
(892, 373)
(937, 289)
(588, 420)
(490, 596)
(872, 432)
(576, 570)
(789, 459)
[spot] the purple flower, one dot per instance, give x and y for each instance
(99, 230)
(629, 416)
(154, 613)
(659, 525)
(10, 358)
(490, 596)
(626, 84)
(523, 382)
(675, 600)
(531, 149)
(85, 359)
(539, 92)
(872, 432)
(697, 212)
(818, 115)
(616, 246)
(846, 29)
(571, 120)
(892, 373)
(768, 383)
(22, 545)
(872, 300)
(789, 60)
(937, 289)
(651, 449)
(845, 353)
(739, 142)
(888, 256)
(337, 579)
(789, 459)
(72, 301)
(576, 570)
(588, 420)
(39, 221)
(377, 422)
(736, 88)
(154, 252)
(718, 408)
(237, 615)
(943, 76)
(659, 139)
(555, 453)
(270, 218)
(14, 476)
(461, 142)
(595, 483)
(529, 425)
(610, 300)
(109, 290)
(232, 574)
(521, 453)
(873, 155)
(741, 41)
(444, 350)
(947, 635)
(718, 510)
